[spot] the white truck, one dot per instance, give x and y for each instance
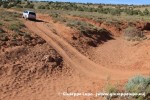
(29, 15)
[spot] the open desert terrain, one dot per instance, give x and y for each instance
(65, 52)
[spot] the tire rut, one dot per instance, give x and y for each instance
(76, 59)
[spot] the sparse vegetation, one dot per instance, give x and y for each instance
(29, 5)
(80, 25)
(139, 84)
(5, 5)
(113, 22)
(56, 16)
(88, 35)
(1, 30)
(41, 7)
(131, 33)
(4, 37)
(1, 23)
(16, 26)
(109, 88)
(84, 7)
(13, 31)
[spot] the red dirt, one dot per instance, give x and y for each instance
(122, 54)
(114, 30)
(111, 62)
(71, 54)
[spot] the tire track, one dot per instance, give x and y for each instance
(75, 58)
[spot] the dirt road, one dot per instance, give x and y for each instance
(76, 60)
(93, 72)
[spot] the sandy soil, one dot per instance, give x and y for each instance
(117, 52)
(122, 54)
(113, 62)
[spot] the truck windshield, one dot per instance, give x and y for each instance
(32, 13)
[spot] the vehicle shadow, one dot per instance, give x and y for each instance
(37, 20)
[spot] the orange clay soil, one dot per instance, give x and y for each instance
(115, 61)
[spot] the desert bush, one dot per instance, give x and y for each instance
(80, 25)
(1, 2)
(115, 11)
(11, 16)
(57, 16)
(5, 5)
(29, 5)
(27, 36)
(15, 15)
(41, 7)
(140, 13)
(1, 30)
(16, 26)
(3, 36)
(146, 12)
(19, 6)
(54, 14)
(111, 89)
(113, 22)
(1, 23)
(11, 5)
(139, 84)
(131, 33)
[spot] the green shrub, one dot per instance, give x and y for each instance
(80, 25)
(1, 31)
(3, 37)
(1, 24)
(13, 27)
(113, 22)
(15, 15)
(19, 6)
(111, 89)
(146, 12)
(131, 33)
(11, 5)
(5, 5)
(115, 11)
(29, 5)
(57, 16)
(138, 84)
(16, 26)
(41, 7)
(54, 14)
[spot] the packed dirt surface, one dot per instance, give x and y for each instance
(44, 71)
(122, 54)
(75, 58)
(117, 52)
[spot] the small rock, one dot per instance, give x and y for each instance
(48, 58)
